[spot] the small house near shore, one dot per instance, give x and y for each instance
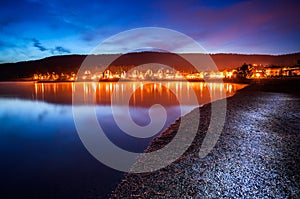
(291, 71)
(273, 71)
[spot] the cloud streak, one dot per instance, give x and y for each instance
(38, 45)
(54, 51)
(60, 50)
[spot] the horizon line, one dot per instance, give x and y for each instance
(218, 53)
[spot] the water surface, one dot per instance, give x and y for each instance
(41, 153)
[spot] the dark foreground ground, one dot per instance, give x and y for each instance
(256, 156)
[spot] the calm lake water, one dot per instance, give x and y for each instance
(40, 150)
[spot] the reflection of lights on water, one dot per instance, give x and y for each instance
(86, 88)
(36, 90)
(201, 85)
(55, 88)
(141, 91)
(188, 89)
(117, 87)
(141, 85)
(94, 86)
(43, 89)
(73, 87)
(229, 88)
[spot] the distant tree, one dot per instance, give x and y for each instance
(245, 70)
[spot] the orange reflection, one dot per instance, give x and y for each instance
(143, 94)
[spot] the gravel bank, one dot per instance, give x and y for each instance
(256, 156)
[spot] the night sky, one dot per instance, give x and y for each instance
(35, 29)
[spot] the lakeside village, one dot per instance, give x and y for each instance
(245, 72)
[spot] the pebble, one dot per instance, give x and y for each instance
(256, 156)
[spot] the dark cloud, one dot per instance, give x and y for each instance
(60, 50)
(56, 50)
(37, 44)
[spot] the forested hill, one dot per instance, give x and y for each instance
(71, 63)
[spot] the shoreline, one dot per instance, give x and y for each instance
(252, 157)
(269, 81)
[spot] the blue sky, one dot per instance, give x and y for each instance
(33, 29)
